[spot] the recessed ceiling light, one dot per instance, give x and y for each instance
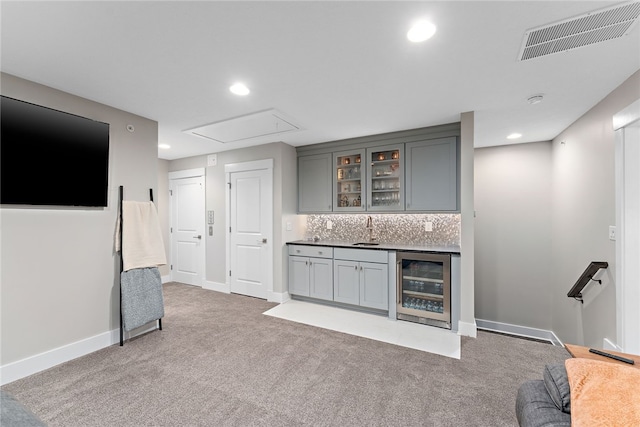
(239, 89)
(514, 136)
(421, 31)
(164, 146)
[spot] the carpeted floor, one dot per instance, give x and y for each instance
(220, 362)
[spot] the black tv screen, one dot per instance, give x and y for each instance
(49, 157)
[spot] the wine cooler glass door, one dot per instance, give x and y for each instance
(424, 286)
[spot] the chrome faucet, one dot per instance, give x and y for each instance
(370, 228)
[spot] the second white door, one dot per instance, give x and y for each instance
(250, 234)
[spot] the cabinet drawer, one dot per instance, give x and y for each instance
(311, 251)
(365, 255)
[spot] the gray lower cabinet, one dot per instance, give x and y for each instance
(311, 276)
(432, 175)
(346, 282)
(350, 276)
(315, 182)
(358, 281)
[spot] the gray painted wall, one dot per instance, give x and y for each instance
(163, 205)
(513, 234)
(583, 209)
(467, 324)
(284, 198)
(60, 276)
(543, 214)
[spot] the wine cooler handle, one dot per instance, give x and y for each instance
(399, 279)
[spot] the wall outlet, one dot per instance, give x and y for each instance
(428, 226)
(329, 225)
(289, 226)
(612, 232)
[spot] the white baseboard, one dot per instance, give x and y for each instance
(165, 279)
(607, 344)
(217, 286)
(467, 329)
(523, 331)
(278, 297)
(40, 362)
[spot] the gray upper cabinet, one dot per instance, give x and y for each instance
(415, 170)
(349, 173)
(315, 183)
(385, 171)
(432, 175)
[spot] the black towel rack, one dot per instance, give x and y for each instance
(121, 197)
(586, 277)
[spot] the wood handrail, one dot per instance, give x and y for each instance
(587, 275)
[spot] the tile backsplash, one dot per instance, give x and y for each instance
(387, 228)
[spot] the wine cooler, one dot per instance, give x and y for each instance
(424, 288)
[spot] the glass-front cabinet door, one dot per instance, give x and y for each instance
(386, 178)
(349, 181)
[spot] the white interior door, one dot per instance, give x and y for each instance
(187, 230)
(250, 234)
(627, 130)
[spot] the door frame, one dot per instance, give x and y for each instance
(627, 174)
(247, 167)
(189, 173)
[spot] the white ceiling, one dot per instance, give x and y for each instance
(339, 69)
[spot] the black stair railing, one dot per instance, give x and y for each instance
(586, 277)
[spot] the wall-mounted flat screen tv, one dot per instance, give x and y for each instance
(49, 157)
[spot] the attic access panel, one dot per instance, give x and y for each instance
(593, 27)
(263, 123)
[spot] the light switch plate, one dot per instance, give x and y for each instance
(428, 226)
(612, 232)
(329, 225)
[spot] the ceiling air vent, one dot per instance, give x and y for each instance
(584, 30)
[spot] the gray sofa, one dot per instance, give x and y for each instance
(546, 402)
(13, 414)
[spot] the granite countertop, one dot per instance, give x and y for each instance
(450, 249)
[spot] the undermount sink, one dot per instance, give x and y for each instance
(366, 244)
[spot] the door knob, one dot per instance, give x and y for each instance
(264, 241)
(197, 237)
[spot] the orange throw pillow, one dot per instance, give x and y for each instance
(603, 393)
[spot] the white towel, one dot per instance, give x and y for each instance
(142, 244)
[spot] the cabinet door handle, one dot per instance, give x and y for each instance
(360, 268)
(306, 263)
(356, 267)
